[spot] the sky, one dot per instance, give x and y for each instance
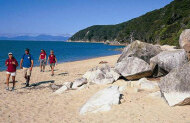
(56, 17)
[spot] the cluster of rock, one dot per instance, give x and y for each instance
(138, 61)
(175, 86)
(97, 75)
(141, 59)
(78, 84)
(102, 75)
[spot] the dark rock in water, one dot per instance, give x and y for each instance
(168, 60)
(140, 50)
(184, 38)
(102, 75)
(175, 87)
(133, 68)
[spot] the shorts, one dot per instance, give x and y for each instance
(26, 72)
(52, 65)
(43, 62)
(12, 73)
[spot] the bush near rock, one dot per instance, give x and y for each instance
(175, 87)
(102, 100)
(142, 50)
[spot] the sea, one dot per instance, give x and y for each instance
(64, 51)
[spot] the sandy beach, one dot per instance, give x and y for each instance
(37, 104)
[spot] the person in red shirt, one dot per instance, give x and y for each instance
(42, 59)
(53, 61)
(11, 64)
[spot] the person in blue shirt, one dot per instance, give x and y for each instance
(26, 64)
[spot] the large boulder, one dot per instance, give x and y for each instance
(175, 87)
(102, 75)
(102, 100)
(184, 38)
(141, 50)
(133, 68)
(168, 60)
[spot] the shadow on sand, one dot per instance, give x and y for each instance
(54, 70)
(10, 82)
(64, 74)
(42, 82)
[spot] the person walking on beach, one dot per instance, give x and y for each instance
(11, 64)
(42, 59)
(26, 64)
(52, 60)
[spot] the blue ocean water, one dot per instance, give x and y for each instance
(64, 51)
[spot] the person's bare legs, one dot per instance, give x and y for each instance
(25, 76)
(40, 66)
(52, 70)
(8, 76)
(27, 81)
(44, 65)
(13, 78)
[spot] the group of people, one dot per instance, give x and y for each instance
(26, 64)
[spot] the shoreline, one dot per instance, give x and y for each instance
(35, 66)
(97, 42)
(86, 41)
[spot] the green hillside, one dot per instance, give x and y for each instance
(159, 26)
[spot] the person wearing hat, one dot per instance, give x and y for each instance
(52, 60)
(26, 64)
(11, 64)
